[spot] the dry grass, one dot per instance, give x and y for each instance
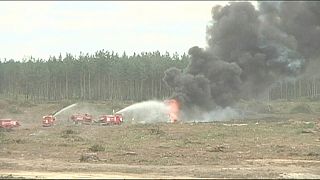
(281, 137)
(169, 144)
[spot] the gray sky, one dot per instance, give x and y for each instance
(47, 28)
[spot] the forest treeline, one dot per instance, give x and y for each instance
(103, 75)
(300, 88)
(106, 75)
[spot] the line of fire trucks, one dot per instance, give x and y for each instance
(115, 119)
(49, 120)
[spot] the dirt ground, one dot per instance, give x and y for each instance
(274, 145)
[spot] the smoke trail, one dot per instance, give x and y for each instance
(248, 50)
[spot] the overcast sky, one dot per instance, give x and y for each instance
(47, 28)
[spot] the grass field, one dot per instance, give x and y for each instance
(279, 143)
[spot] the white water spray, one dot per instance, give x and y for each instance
(66, 108)
(157, 111)
(220, 114)
(146, 112)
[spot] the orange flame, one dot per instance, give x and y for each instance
(174, 108)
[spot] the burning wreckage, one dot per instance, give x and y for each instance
(173, 112)
(248, 50)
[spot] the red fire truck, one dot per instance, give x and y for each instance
(81, 118)
(8, 123)
(48, 120)
(115, 119)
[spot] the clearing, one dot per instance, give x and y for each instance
(280, 143)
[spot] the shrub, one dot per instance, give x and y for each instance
(156, 131)
(71, 135)
(14, 109)
(89, 157)
(96, 148)
(301, 108)
(69, 131)
(260, 107)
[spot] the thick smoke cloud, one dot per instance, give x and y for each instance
(248, 50)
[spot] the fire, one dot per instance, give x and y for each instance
(174, 108)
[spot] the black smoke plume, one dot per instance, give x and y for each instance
(248, 50)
